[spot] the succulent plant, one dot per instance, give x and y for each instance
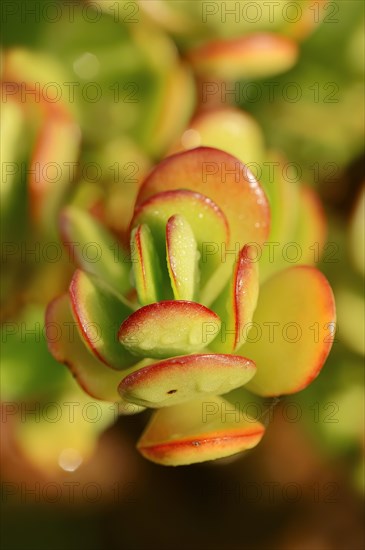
(169, 323)
(170, 312)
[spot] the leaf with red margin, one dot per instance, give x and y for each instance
(209, 224)
(180, 379)
(237, 303)
(93, 376)
(293, 331)
(172, 327)
(197, 431)
(222, 178)
(251, 56)
(99, 310)
(79, 230)
(146, 268)
(182, 258)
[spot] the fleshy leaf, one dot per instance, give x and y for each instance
(281, 191)
(204, 429)
(118, 195)
(67, 347)
(237, 303)
(252, 56)
(226, 128)
(292, 331)
(222, 178)
(209, 224)
(357, 233)
(350, 309)
(297, 233)
(99, 310)
(146, 269)
(174, 105)
(169, 328)
(106, 258)
(182, 258)
(310, 231)
(184, 378)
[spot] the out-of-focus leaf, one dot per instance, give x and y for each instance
(107, 259)
(357, 233)
(350, 306)
(252, 56)
(226, 128)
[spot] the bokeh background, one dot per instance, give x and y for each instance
(104, 90)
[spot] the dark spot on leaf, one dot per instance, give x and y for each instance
(172, 391)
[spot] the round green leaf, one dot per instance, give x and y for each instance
(172, 327)
(180, 379)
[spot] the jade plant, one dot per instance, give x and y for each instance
(168, 322)
(157, 81)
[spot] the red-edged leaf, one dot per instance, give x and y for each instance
(180, 379)
(172, 327)
(197, 431)
(292, 331)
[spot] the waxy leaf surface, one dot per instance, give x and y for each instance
(222, 178)
(67, 347)
(94, 249)
(237, 303)
(168, 328)
(294, 323)
(204, 429)
(146, 268)
(182, 258)
(99, 311)
(180, 379)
